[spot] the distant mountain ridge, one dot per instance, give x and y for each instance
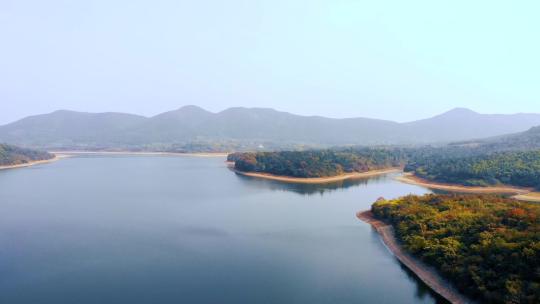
(192, 128)
(527, 140)
(462, 124)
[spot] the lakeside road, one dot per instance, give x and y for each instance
(318, 180)
(426, 273)
(37, 162)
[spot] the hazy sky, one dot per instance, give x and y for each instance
(398, 60)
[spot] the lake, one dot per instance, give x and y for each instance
(176, 229)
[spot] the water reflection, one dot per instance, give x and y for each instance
(311, 189)
(172, 229)
(423, 292)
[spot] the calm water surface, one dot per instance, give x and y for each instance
(151, 229)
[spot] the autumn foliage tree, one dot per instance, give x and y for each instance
(488, 246)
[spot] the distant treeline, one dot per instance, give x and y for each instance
(318, 163)
(12, 155)
(488, 246)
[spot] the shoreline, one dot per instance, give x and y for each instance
(37, 162)
(317, 180)
(533, 197)
(201, 154)
(425, 273)
(519, 193)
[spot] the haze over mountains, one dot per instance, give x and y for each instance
(191, 128)
(528, 140)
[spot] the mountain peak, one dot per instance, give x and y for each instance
(459, 111)
(191, 109)
(185, 111)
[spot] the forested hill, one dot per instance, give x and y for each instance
(12, 155)
(511, 159)
(528, 140)
(320, 163)
(488, 246)
(517, 168)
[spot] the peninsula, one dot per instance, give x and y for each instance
(317, 166)
(484, 245)
(16, 157)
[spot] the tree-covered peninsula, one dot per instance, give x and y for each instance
(13, 155)
(318, 163)
(463, 165)
(488, 246)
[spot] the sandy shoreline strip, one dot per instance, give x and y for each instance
(529, 197)
(426, 273)
(410, 178)
(318, 180)
(519, 193)
(205, 154)
(37, 162)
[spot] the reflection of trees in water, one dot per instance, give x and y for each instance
(309, 189)
(422, 290)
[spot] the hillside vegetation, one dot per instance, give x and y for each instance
(520, 168)
(464, 165)
(511, 159)
(488, 246)
(528, 140)
(12, 155)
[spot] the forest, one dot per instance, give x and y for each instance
(12, 155)
(488, 246)
(319, 163)
(517, 168)
(469, 166)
